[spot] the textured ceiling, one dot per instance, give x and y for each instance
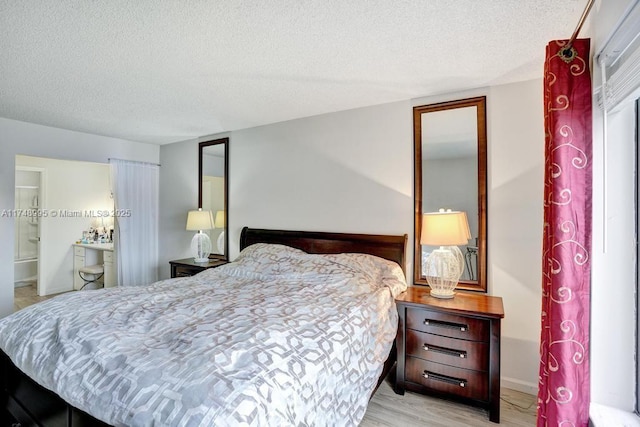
(162, 71)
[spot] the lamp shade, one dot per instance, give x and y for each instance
(442, 228)
(220, 219)
(443, 267)
(199, 220)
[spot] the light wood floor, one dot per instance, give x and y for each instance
(26, 295)
(389, 409)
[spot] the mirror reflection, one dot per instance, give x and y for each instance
(213, 192)
(450, 174)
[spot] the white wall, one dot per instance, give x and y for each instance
(352, 171)
(70, 187)
(344, 172)
(516, 177)
(178, 195)
(42, 141)
(613, 260)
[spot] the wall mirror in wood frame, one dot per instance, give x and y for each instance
(450, 155)
(213, 191)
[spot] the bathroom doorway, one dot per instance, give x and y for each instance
(28, 198)
(74, 197)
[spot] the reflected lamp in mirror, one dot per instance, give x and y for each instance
(220, 223)
(201, 243)
(444, 265)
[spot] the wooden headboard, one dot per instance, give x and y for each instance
(317, 242)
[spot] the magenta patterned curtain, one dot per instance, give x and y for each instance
(563, 394)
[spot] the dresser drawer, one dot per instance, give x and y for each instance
(449, 351)
(449, 325)
(78, 251)
(448, 379)
(108, 256)
(183, 271)
(187, 267)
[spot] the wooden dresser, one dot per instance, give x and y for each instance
(187, 267)
(450, 347)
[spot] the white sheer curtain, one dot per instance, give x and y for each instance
(135, 193)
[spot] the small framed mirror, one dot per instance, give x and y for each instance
(213, 191)
(450, 155)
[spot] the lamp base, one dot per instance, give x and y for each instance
(443, 295)
(220, 243)
(200, 247)
(443, 269)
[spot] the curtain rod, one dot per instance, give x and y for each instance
(587, 9)
(134, 161)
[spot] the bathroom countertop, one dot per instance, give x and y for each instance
(96, 246)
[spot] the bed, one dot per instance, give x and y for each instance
(237, 371)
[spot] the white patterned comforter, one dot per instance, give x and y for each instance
(277, 338)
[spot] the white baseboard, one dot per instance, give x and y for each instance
(519, 385)
(57, 291)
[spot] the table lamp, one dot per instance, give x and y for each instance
(444, 266)
(201, 243)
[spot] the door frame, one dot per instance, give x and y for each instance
(42, 225)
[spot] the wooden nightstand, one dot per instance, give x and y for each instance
(187, 267)
(450, 347)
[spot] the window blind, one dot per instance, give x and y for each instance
(619, 60)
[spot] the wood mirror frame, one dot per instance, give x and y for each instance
(201, 150)
(418, 112)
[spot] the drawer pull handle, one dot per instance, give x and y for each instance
(445, 379)
(447, 325)
(449, 352)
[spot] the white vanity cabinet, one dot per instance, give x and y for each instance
(91, 254)
(78, 262)
(110, 270)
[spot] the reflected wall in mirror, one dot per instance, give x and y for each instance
(450, 149)
(213, 191)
